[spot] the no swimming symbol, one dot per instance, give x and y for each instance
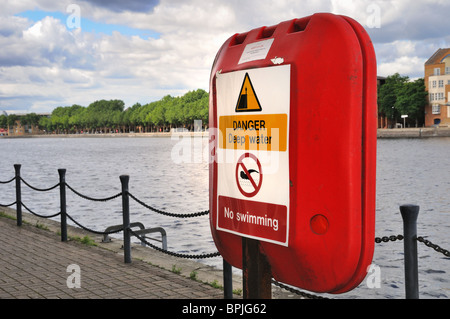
(249, 175)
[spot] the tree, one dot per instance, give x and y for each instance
(3, 121)
(30, 119)
(76, 119)
(158, 114)
(399, 96)
(46, 124)
(411, 101)
(12, 118)
(387, 95)
(109, 115)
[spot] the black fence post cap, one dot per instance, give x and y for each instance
(409, 212)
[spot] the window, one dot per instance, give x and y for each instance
(441, 83)
(437, 71)
(447, 70)
(436, 109)
(431, 97)
(434, 84)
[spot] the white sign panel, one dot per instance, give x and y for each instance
(253, 154)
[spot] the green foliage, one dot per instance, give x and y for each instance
(3, 121)
(399, 96)
(86, 240)
(111, 116)
(12, 118)
(193, 275)
(176, 270)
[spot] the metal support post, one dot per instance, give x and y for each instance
(124, 179)
(227, 281)
(63, 205)
(18, 195)
(409, 216)
(257, 275)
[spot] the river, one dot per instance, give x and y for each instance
(171, 174)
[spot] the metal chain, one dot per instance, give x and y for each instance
(202, 213)
(385, 239)
(296, 291)
(94, 231)
(39, 189)
(94, 199)
(8, 205)
(42, 216)
(201, 256)
(7, 182)
(434, 246)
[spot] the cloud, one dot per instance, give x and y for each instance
(169, 45)
(129, 5)
(106, 66)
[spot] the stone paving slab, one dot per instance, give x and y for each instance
(34, 264)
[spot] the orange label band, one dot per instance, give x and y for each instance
(266, 132)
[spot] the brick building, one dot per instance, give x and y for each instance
(22, 129)
(437, 84)
(19, 129)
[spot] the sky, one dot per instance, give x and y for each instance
(60, 53)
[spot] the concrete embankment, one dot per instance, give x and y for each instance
(112, 135)
(418, 132)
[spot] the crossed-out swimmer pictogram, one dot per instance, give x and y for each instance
(249, 175)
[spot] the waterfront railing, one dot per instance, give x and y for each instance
(409, 215)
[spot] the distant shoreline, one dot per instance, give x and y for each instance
(112, 135)
(416, 132)
(422, 132)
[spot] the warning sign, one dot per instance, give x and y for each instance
(253, 153)
(248, 101)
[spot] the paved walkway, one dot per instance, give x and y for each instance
(34, 264)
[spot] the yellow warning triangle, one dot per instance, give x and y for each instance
(247, 101)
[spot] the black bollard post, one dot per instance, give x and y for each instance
(124, 179)
(18, 195)
(227, 281)
(409, 216)
(63, 205)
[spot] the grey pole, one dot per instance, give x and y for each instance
(409, 216)
(124, 179)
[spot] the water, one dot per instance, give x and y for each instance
(409, 171)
